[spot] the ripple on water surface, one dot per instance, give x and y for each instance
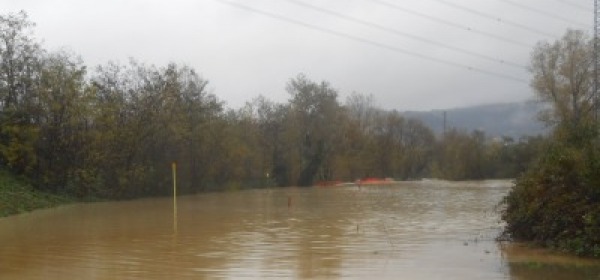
(413, 230)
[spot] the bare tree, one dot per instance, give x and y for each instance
(563, 76)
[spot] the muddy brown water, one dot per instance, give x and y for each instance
(411, 230)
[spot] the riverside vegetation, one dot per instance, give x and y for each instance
(17, 196)
(556, 203)
(112, 133)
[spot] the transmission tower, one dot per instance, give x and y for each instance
(596, 58)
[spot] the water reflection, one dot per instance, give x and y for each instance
(413, 230)
(529, 263)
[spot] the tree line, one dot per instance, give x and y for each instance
(113, 131)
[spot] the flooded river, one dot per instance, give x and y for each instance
(412, 230)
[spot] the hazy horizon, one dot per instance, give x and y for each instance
(418, 55)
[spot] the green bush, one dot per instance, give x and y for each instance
(17, 196)
(557, 202)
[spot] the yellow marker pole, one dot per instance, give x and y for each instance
(174, 168)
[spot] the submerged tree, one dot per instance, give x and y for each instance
(314, 112)
(114, 131)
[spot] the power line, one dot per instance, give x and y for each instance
(370, 42)
(547, 14)
(450, 23)
(400, 33)
(494, 18)
(596, 59)
(587, 9)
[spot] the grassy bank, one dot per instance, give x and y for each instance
(17, 196)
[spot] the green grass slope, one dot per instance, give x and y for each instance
(17, 196)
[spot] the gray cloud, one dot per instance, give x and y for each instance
(245, 53)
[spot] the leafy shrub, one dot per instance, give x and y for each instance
(557, 202)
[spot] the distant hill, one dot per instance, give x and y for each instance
(504, 119)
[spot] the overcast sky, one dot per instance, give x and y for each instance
(410, 54)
